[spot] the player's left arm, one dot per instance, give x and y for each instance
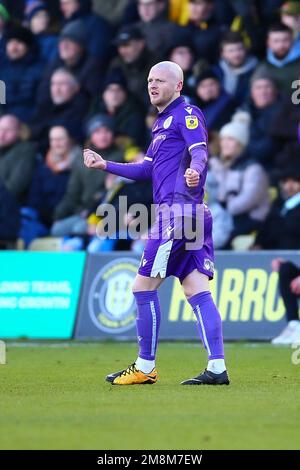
(193, 130)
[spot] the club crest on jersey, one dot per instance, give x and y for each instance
(168, 122)
(191, 122)
(208, 265)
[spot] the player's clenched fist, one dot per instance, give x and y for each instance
(93, 160)
(192, 178)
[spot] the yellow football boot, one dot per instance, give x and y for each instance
(132, 376)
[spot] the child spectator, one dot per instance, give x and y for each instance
(38, 20)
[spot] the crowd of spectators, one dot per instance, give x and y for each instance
(73, 74)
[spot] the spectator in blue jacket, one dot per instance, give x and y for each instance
(235, 67)
(21, 73)
(98, 29)
(38, 20)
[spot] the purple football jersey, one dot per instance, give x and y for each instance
(179, 142)
(179, 129)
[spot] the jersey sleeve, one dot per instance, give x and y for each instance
(133, 171)
(192, 128)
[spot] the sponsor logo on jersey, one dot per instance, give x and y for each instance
(191, 122)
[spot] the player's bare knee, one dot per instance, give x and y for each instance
(188, 291)
(140, 285)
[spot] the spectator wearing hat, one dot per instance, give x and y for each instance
(21, 72)
(38, 19)
(243, 183)
(73, 56)
(281, 229)
(155, 25)
(263, 107)
(235, 67)
(98, 30)
(49, 182)
(290, 16)
(4, 20)
(117, 102)
(133, 62)
(282, 63)
(204, 29)
(17, 158)
(216, 105)
(67, 104)
(85, 187)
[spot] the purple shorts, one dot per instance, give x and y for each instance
(168, 255)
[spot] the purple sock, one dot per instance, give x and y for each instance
(209, 324)
(147, 323)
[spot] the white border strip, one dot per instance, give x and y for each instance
(196, 145)
(148, 158)
(153, 312)
(203, 330)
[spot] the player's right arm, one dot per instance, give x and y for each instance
(133, 171)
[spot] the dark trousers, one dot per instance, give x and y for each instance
(288, 271)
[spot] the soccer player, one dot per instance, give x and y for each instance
(177, 163)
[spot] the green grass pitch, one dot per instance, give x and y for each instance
(53, 396)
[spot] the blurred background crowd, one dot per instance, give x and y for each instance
(74, 74)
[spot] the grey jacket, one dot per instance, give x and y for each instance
(243, 187)
(17, 163)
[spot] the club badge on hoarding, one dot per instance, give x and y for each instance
(111, 303)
